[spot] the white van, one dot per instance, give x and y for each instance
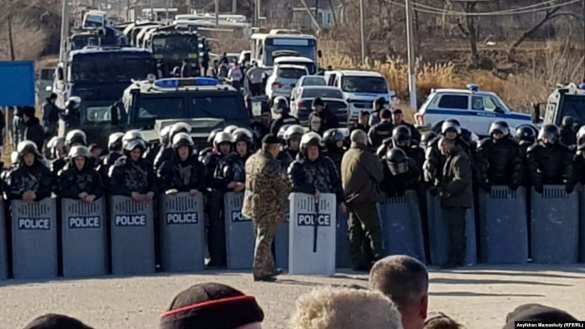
(360, 89)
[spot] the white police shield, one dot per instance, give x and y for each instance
(3, 244)
(34, 239)
(84, 238)
(132, 244)
(240, 233)
(312, 234)
(503, 229)
(401, 226)
(182, 228)
(555, 226)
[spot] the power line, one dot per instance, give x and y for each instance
(521, 11)
(540, 4)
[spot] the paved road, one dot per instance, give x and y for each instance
(480, 297)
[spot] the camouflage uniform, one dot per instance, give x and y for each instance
(266, 190)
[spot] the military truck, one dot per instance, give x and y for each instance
(170, 47)
(567, 100)
(205, 103)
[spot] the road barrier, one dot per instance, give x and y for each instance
(182, 232)
(439, 235)
(503, 226)
(132, 236)
(342, 250)
(34, 239)
(555, 226)
(85, 248)
(240, 233)
(401, 226)
(312, 234)
(3, 244)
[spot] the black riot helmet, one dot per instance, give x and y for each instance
(212, 135)
(332, 136)
(499, 127)
(401, 136)
(549, 134)
(397, 161)
(426, 138)
(526, 134)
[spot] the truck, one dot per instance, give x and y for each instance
(565, 100)
(98, 76)
(170, 47)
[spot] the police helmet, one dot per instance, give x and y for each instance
(75, 137)
(182, 139)
(581, 138)
(397, 161)
(550, 133)
(212, 135)
(243, 134)
(526, 133)
(133, 139)
(294, 130)
(222, 137)
(165, 135)
(25, 147)
(310, 139)
(451, 125)
(115, 141)
(332, 136)
(282, 131)
(499, 127)
(230, 129)
(401, 136)
(55, 143)
(427, 137)
(180, 127)
(317, 101)
(280, 105)
(78, 151)
(379, 102)
(74, 102)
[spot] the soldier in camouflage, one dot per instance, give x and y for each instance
(266, 190)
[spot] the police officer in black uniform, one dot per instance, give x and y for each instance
(78, 180)
(525, 136)
(499, 159)
(131, 175)
(204, 152)
(167, 152)
(314, 173)
(550, 162)
(291, 144)
(57, 154)
(114, 153)
(569, 132)
(281, 111)
(377, 107)
(154, 148)
(29, 179)
(328, 119)
(182, 172)
(579, 159)
(219, 183)
(333, 141)
(400, 173)
(382, 130)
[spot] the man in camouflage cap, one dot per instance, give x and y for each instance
(266, 189)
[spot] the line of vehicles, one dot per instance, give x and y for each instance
(123, 76)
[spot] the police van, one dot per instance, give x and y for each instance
(568, 100)
(205, 103)
(473, 108)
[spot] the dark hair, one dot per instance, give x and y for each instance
(386, 114)
(441, 321)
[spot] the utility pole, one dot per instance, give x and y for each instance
(317, 10)
(216, 12)
(362, 33)
(410, 44)
(64, 31)
(11, 39)
(234, 6)
(258, 12)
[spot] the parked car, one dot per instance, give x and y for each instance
(283, 79)
(473, 108)
(301, 104)
(360, 89)
(301, 94)
(310, 80)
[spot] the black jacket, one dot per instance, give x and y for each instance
(104, 166)
(379, 132)
(285, 119)
(550, 165)
(37, 178)
(312, 176)
(499, 163)
(397, 185)
(127, 176)
(183, 176)
(33, 131)
(73, 182)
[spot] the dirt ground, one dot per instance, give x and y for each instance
(479, 297)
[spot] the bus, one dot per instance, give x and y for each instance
(170, 47)
(264, 46)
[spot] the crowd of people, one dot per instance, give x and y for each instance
(397, 298)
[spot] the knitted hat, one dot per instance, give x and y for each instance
(56, 321)
(211, 306)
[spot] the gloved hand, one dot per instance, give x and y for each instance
(539, 188)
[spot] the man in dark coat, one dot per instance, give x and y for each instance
(78, 180)
(33, 131)
(29, 180)
(456, 198)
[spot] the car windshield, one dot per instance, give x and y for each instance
(310, 66)
(574, 106)
(291, 73)
(110, 67)
(322, 92)
(159, 108)
(93, 21)
(175, 43)
(98, 113)
(313, 81)
(229, 108)
(304, 47)
(364, 85)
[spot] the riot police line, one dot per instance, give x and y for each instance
(122, 215)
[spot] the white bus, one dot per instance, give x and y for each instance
(265, 45)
